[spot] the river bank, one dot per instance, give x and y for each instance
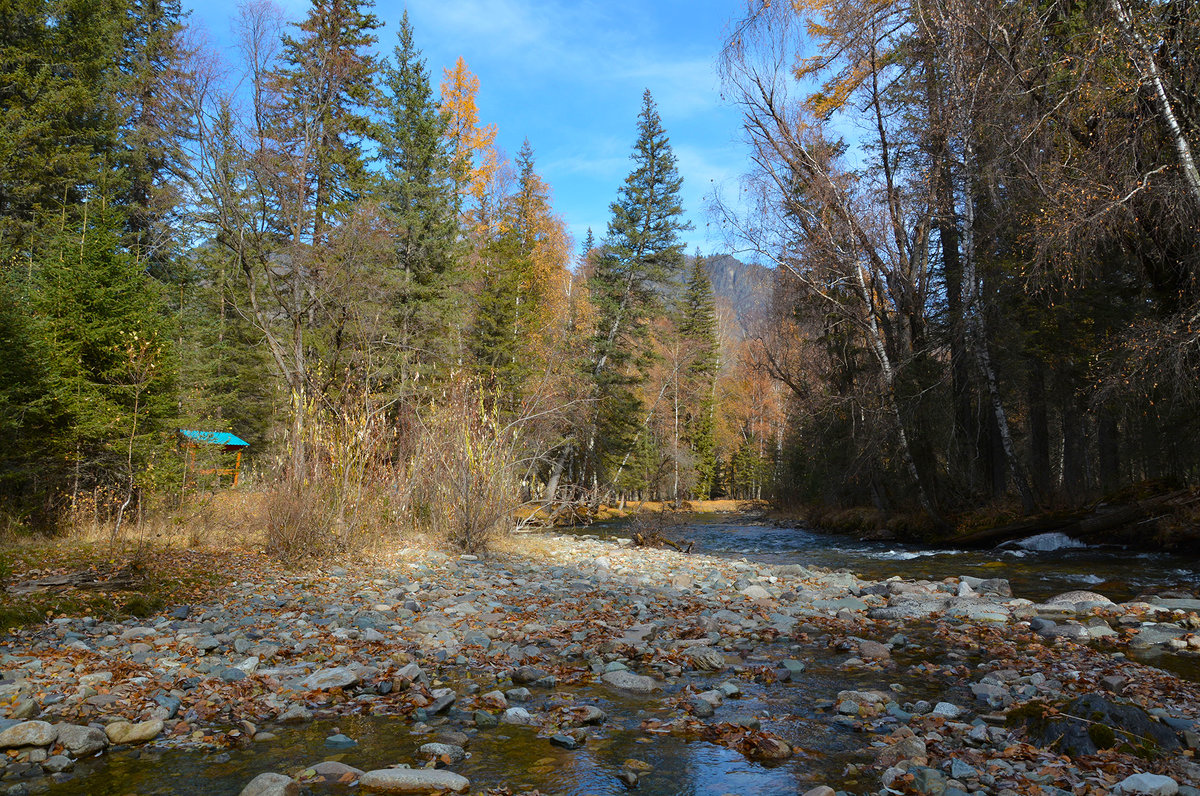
(1153, 519)
(574, 664)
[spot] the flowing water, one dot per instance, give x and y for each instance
(1115, 572)
(515, 758)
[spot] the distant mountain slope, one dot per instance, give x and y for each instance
(742, 290)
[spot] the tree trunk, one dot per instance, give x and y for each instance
(889, 393)
(1074, 480)
(1108, 443)
(1039, 431)
(1150, 73)
(556, 471)
(1001, 419)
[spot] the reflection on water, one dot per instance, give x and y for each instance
(1035, 575)
(514, 757)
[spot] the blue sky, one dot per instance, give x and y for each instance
(569, 76)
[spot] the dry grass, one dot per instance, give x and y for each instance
(162, 560)
(226, 520)
(691, 506)
(531, 546)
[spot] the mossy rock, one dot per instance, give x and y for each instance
(1091, 723)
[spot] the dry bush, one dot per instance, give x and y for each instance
(345, 497)
(225, 518)
(457, 468)
(466, 472)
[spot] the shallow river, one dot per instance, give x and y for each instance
(515, 758)
(1035, 574)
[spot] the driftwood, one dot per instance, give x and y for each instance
(84, 581)
(1079, 525)
(654, 539)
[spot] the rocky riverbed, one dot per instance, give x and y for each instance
(846, 685)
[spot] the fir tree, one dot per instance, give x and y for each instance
(107, 349)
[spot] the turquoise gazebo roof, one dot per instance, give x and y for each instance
(223, 438)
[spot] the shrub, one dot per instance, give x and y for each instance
(465, 474)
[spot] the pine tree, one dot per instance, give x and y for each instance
(641, 254)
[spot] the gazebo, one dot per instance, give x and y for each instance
(191, 440)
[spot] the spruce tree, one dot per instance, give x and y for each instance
(153, 130)
(58, 112)
(24, 395)
(327, 86)
(641, 255)
(110, 371)
(495, 344)
(697, 327)
(419, 196)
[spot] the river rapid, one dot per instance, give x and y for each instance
(1037, 568)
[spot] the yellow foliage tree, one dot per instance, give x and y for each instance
(475, 160)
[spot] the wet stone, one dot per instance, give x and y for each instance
(565, 741)
(124, 732)
(794, 667)
(928, 781)
(407, 780)
(528, 674)
(271, 785)
(628, 681)
(443, 698)
(81, 741)
(449, 752)
(337, 677)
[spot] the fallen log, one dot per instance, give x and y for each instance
(1080, 525)
(83, 581)
(658, 540)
